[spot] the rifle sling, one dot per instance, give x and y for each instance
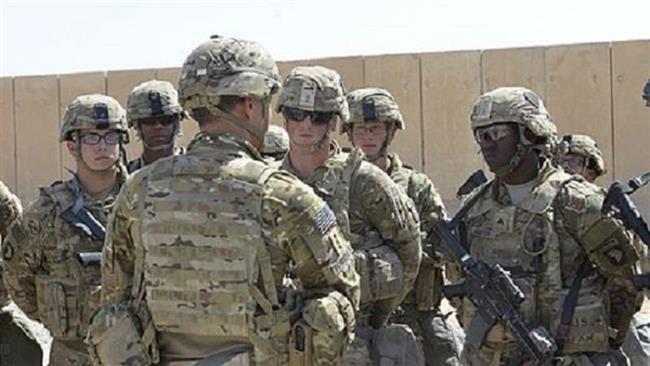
(569, 305)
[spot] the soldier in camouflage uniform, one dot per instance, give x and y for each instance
(579, 154)
(547, 229)
(17, 341)
(646, 93)
(374, 119)
(276, 143)
(152, 109)
(43, 275)
(200, 244)
(374, 212)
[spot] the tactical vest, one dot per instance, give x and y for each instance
(206, 266)
(530, 241)
(64, 298)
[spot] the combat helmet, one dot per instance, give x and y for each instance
(517, 105)
(372, 105)
(585, 146)
(276, 142)
(228, 67)
(93, 111)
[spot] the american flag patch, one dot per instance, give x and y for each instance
(324, 219)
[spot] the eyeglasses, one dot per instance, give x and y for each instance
(492, 133)
(163, 120)
(571, 161)
(368, 129)
(111, 138)
(299, 115)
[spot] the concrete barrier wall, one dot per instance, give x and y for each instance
(588, 88)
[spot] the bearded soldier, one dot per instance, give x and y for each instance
(152, 109)
(200, 244)
(43, 275)
(373, 211)
(546, 228)
(373, 121)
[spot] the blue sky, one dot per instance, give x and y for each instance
(56, 37)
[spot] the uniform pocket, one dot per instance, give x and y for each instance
(57, 306)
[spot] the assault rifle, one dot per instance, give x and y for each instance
(494, 293)
(89, 258)
(618, 200)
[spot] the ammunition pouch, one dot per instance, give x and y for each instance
(117, 337)
(382, 273)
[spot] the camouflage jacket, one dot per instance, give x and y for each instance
(374, 204)
(10, 208)
(42, 272)
(138, 163)
(543, 242)
(219, 201)
(428, 288)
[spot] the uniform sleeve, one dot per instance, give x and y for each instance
(305, 227)
(389, 210)
(607, 244)
(118, 254)
(10, 208)
(22, 254)
(429, 206)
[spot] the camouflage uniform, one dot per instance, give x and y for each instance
(441, 335)
(43, 275)
(200, 244)
(543, 240)
(153, 99)
(372, 209)
(646, 93)
(276, 143)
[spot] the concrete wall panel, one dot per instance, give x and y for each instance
(451, 82)
(7, 134)
(37, 133)
(578, 91)
(514, 67)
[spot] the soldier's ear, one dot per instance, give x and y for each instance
(72, 149)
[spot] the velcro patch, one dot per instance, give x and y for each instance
(324, 220)
(307, 95)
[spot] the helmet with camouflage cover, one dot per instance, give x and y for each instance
(646, 93)
(315, 89)
(372, 105)
(152, 98)
(585, 146)
(276, 142)
(513, 105)
(93, 111)
(226, 67)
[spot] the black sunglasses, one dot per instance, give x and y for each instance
(163, 120)
(299, 115)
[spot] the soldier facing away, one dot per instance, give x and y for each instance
(152, 108)
(546, 228)
(43, 275)
(200, 244)
(372, 210)
(373, 121)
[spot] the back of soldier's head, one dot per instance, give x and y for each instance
(226, 67)
(276, 143)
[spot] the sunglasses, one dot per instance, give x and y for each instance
(111, 138)
(492, 133)
(299, 115)
(164, 121)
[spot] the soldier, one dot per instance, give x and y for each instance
(18, 341)
(43, 275)
(372, 209)
(276, 143)
(546, 228)
(579, 154)
(374, 119)
(200, 243)
(153, 110)
(646, 93)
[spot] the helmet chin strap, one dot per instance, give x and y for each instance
(251, 128)
(168, 145)
(522, 151)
